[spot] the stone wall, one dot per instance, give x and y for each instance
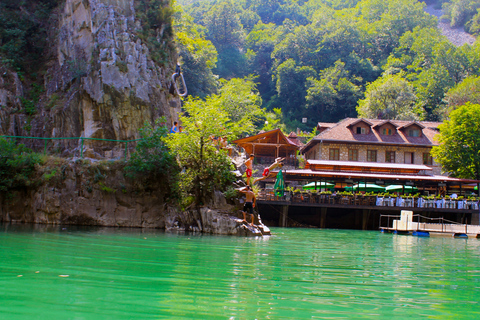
(324, 153)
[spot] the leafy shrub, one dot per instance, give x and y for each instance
(152, 160)
(156, 20)
(17, 165)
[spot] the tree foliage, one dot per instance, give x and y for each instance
(292, 45)
(23, 32)
(205, 167)
(152, 160)
(17, 165)
(459, 143)
(390, 97)
(198, 55)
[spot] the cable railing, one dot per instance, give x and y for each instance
(82, 142)
(418, 223)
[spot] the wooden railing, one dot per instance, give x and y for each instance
(364, 200)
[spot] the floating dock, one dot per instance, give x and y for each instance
(435, 226)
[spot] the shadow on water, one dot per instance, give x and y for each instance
(71, 229)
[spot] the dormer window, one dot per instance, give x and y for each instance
(387, 131)
(361, 130)
(413, 132)
(412, 129)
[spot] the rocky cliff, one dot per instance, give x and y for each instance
(99, 79)
(97, 193)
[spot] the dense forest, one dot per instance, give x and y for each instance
(325, 60)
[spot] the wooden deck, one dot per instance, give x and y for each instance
(361, 212)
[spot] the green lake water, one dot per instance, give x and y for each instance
(101, 273)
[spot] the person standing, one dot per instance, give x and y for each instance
(249, 171)
(249, 203)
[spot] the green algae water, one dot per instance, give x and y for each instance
(68, 273)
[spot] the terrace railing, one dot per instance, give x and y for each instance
(367, 200)
(45, 141)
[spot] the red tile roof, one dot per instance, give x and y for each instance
(341, 132)
(370, 164)
(329, 174)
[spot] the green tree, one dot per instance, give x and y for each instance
(332, 97)
(459, 143)
(241, 101)
(152, 161)
(17, 165)
(466, 91)
(227, 34)
(390, 97)
(460, 12)
(292, 87)
(204, 167)
(198, 55)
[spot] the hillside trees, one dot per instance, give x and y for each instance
(294, 44)
(466, 91)
(198, 55)
(459, 143)
(390, 97)
(227, 34)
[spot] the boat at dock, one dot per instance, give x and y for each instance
(421, 226)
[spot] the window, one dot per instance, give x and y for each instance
(427, 159)
(372, 155)
(353, 155)
(387, 131)
(334, 154)
(361, 130)
(390, 156)
(413, 133)
(409, 157)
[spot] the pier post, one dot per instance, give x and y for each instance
(323, 217)
(365, 216)
(475, 218)
(283, 217)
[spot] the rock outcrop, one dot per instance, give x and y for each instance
(99, 82)
(98, 194)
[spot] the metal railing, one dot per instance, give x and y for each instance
(82, 139)
(442, 221)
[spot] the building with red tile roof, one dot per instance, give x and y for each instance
(268, 145)
(375, 140)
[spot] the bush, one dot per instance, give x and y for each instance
(152, 160)
(17, 165)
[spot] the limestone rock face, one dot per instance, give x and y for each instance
(98, 194)
(100, 81)
(86, 194)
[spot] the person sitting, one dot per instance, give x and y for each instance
(174, 129)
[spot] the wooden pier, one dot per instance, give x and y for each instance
(405, 224)
(360, 212)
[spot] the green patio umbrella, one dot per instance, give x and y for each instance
(279, 184)
(368, 187)
(320, 185)
(400, 188)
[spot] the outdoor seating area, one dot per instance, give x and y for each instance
(369, 199)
